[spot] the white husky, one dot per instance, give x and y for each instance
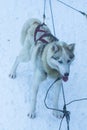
(50, 57)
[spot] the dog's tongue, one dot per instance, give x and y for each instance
(65, 78)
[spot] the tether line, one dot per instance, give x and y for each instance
(50, 3)
(51, 12)
(81, 12)
(66, 114)
(44, 15)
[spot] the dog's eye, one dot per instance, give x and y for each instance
(54, 58)
(68, 61)
(60, 61)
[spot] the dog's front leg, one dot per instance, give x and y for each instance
(14, 68)
(57, 90)
(38, 78)
(24, 56)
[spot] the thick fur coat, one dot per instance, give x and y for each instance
(49, 59)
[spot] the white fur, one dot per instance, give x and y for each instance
(46, 64)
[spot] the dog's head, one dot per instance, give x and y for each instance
(60, 57)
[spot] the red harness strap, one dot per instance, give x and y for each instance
(43, 36)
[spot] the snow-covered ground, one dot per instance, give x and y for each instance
(70, 27)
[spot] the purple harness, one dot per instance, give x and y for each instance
(44, 35)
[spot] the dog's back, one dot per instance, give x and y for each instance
(29, 27)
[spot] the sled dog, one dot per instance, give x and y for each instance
(50, 57)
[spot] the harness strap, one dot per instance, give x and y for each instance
(46, 34)
(38, 30)
(42, 38)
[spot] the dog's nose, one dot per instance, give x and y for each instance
(66, 74)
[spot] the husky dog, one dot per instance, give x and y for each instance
(50, 57)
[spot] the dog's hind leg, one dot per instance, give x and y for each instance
(24, 56)
(38, 78)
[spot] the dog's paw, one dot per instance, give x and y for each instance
(12, 75)
(58, 114)
(31, 115)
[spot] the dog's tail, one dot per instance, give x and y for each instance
(26, 27)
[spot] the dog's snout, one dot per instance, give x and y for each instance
(66, 74)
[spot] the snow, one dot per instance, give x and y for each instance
(70, 27)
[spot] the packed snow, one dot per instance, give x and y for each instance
(70, 27)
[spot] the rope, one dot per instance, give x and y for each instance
(51, 11)
(77, 100)
(47, 95)
(66, 113)
(83, 13)
(50, 3)
(44, 16)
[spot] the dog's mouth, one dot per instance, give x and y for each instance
(65, 78)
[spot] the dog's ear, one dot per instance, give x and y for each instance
(71, 47)
(55, 48)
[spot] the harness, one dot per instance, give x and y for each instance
(45, 34)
